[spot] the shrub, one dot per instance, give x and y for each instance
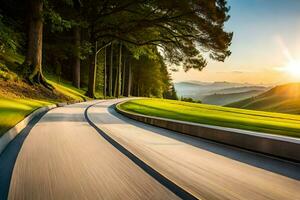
(189, 99)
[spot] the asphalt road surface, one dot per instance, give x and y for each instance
(88, 151)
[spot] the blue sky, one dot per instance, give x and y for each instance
(265, 31)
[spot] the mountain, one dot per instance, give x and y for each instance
(226, 98)
(282, 98)
(199, 90)
(242, 89)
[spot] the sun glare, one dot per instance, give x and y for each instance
(293, 68)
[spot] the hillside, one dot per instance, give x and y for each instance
(226, 98)
(242, 89)
(18, 98)
(283, 98)
(200, 90)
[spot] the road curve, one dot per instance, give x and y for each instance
(63, 157)
(205, 169)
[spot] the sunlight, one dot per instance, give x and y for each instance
(293, 68)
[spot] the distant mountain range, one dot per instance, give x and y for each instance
(223, 99)
(282, 98)
(218, 93)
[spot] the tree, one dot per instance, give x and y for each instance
(180, 32)
(32, 66)
(76, 64)
(171, 93)
(33, 59)
(110, 81)
(179, 28)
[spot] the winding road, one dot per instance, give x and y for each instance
(88, 151)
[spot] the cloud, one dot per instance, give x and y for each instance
(233, 72)
(239, 72)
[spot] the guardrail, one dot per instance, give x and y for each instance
(279, 146)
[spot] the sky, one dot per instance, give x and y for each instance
(265, 46)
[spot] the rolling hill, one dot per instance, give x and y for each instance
(282, 98)
(226, 98)
(206, 91)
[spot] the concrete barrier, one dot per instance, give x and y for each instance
(14, 131)
(279, 146)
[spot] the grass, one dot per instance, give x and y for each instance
(266, 122)
(13, 111)
(18, 99)
(66, 88)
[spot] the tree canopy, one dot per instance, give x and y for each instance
(129, 42)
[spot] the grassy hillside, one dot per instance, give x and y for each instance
(18, 99)
(267, 122)
(283, 98)
(223, 99)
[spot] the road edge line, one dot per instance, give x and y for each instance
(177, 190)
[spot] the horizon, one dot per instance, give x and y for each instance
(246, 83)
(264, 47)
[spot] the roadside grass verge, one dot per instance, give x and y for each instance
(13, 111)
(266, 122)
(18, 99)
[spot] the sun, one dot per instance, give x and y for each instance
(292, 67)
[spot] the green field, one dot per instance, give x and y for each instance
(267, 122)
(13, 111)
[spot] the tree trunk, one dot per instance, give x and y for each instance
(110, 71)
(116, 83)
(33, 60)
(92, 73)
(104, 85)
(119, 72)
(76, 64)
(117, 76)
(129, 80)
(123, 77)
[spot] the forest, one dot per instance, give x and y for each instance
(110, 47)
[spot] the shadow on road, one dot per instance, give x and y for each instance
(282, 167)
(9, 155)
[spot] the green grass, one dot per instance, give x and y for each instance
(267, 122)
(66, 88)
(13, 111)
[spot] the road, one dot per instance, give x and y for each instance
(109, 156)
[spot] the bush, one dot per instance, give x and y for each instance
(189, 99)
(10, 39)
(6, 75)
